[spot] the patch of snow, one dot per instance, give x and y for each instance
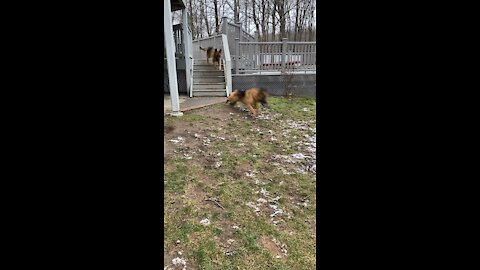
(205, 222)
(261, 200)
(275, 199)
(250, 204)
(182, 261)
(277, 210)
(299, 156)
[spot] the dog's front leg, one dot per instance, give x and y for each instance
(252, 110)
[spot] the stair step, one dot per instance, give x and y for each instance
(209, 90)
(203, 65)
(208, 74)
(209, 80)
(202, 62)
(210, 93)
(208, 70)
(197, 86)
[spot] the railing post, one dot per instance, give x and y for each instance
(172, 68)
(227, 65)
(284, 52)
(186, 48)
(239, 31)
(237, 54)
(224, 25)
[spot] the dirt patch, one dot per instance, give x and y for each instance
(242, 169)
(274, 247)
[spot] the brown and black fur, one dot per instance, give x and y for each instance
(250, 98)
(216, 58)
(213, 54)
(209, 51)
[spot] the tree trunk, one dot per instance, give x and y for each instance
(190, 18)
(281, 16)
(255, 20)
(205, 17)
(217, 19)
(273, 20)
(236, 11)
(246, 17)
(297, 17)
(264, 22)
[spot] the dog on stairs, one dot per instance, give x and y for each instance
(213, 54)
(250, 98)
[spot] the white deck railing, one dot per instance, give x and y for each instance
(280, 56)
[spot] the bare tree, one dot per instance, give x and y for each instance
(255, 20)
(297, 13)
(280, 4)
(217, 19)
(274, 24)
(271, 19)
(236, 11)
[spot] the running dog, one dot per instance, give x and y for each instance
(214, 54)
(250, 98)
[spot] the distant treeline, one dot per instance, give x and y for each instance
(269, 20)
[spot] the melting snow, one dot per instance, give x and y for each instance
(205, 222)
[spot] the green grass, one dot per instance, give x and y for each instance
(187, 181)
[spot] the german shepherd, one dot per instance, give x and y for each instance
(214, 54)
(216, 58)
(250, 98)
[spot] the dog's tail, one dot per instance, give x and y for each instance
(203, 49)
(263, 96)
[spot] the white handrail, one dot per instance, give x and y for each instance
(191, 77)
(228, 65)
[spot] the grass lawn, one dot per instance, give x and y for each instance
(240, 193)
